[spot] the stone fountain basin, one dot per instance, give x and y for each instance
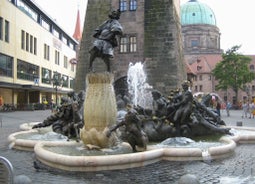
(19, 141)
(124, 161)
(128, 160)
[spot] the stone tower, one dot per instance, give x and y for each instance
(152, 35)
(163, 44)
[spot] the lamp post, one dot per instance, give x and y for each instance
(57, 81)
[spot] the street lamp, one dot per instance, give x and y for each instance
(57, 81)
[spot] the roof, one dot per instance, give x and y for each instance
(194, 12)
(202, 63)
(77, 32)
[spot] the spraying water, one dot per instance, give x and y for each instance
(138, 88)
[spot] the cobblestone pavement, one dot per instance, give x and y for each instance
(237, 169)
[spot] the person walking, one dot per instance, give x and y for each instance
(245, 107)
(218, 107)
(251, 109)
(228, 106)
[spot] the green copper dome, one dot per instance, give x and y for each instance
(194, 12)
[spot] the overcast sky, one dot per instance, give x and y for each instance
(234, 19)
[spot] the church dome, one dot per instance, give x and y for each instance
(194, 12)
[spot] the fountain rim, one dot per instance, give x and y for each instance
(124, 161)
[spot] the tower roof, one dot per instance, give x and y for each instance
(194, 12)
(77, 32)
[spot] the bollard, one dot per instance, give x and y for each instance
(239, 123)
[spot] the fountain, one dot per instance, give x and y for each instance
(98, 152)
(151, 121)
(139, 89)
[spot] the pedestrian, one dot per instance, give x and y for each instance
(1, 101)
(218, 107)
(52, 105)
(245, 108)
(45, 103)
(251, 109)
(228, 106)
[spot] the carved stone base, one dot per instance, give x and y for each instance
(100, 109)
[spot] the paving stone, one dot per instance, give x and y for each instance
(242, 163)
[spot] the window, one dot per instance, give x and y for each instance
(64, 39)
(35, 46)
(45, 25)
(132, 5)
(27, 71)
(195, 88)
(46, 76)
(71, 83)
(200, 77)
(128, 44)
(65, 62)
(200, 88)
(6, 66)
(253, 88)
(194, 43)
(6, 33)
(56, 33)
(4, 30)
(71, 45)
(31, 44)
(123, 5)
(56, 79)
(1, 28)
(65, 81)
(27, 10)
(56, 57)
(132, 41)
(46, 52)
(22, 39)
(123, 44)
(199, 67)
(27, 42)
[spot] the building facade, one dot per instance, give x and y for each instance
(201, 41)
(36, 55)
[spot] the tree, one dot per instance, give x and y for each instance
(233, 71)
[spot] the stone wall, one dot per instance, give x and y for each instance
(163, 45)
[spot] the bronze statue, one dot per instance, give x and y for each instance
(183, 107)
(69, 118)
(106, 40)
(133, 132)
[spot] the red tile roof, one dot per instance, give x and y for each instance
(77, 33)
(205, 63)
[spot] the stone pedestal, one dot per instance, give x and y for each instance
(100, 109)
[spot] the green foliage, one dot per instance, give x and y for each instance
(233, 71)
